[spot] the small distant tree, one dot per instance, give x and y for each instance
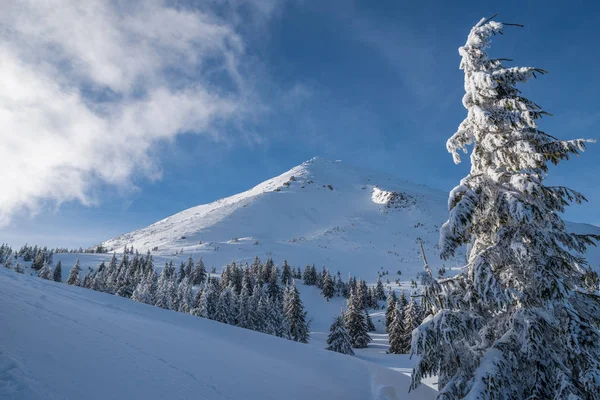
(286, 274)
(73, 278)
(339, 340)
(199, 274)
(397, 332)
(57, 276)
(356, 323)
(295, 315)
(45, 272)
(379, 290)
(328, 290)
(38, 261)
(370, 325)
(390, 309)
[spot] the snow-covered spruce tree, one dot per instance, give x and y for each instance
(390, 309)
(185, 296)
(356, 322)
(295, 314)
(369, 321)
(379, 291)
(199, 274)
(73, 278)
(339, 339)
(286, 273)
(209, 301)
(227, 306)
(411, 320)
(19, 269)
(143, 291)
(45, 272)
(328, 288)
(516, 323)
(396, 332)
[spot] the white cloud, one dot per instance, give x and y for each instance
(87, 87)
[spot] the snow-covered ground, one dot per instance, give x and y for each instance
(365, 223)
(63, 342)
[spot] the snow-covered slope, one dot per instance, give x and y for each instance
(63, 342)
(323, 212)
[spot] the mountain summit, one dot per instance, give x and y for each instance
(320, 212)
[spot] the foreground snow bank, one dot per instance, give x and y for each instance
(61, 342)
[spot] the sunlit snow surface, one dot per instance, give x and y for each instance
(63, 342)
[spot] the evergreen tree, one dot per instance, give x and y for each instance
(57, 276)
(411, 321)
(379, 291)
(328, 289)
(256, 318)
(275, 322)
(125, 290)
(339, 339)
(73, 278)
(210, 299)
(99, 280)
(295, 315)
(45, 272)
(185, 296)
(306, 276)
(369, 321)
(286, 274)
(19, 269)
(162, 298)
(87, 279)
(181, 275)
(226, 306)
(143, 291)
(397, 332)
(356, 323)
(189, 268)
(199, 274)
(390, 309)
(38, 261)
(273, 289)
(243, 313)
(516, 323)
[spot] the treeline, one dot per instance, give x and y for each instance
(257, 297)
(332, 286)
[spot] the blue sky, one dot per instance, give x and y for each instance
(375, 84)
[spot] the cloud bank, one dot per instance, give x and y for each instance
(88, 87)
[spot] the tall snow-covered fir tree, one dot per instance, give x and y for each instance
(339, 339)
(517, 323)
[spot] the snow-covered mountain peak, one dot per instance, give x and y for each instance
(323, 212)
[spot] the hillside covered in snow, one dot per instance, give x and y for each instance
(59, 342)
